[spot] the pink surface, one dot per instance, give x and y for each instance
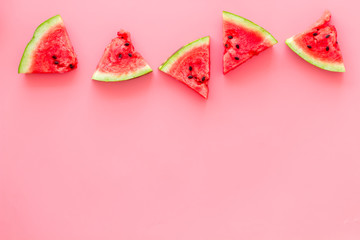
(272, 154)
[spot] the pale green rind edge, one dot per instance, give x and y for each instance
(323, 65)
(111, 77)
(173, 58)
(249, 24)
(25, 61)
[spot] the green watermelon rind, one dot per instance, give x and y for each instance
(334, 67)
(112, 77)
(228, 16)
(166, 66)
(41, 30)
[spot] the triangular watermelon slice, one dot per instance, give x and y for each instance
(319, 46)
(191, 65)
(242, 40)
(50, 49)
(120, 61)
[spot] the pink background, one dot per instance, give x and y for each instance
(272, 154)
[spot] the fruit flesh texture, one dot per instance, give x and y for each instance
(191, 65)
(318, 45)
(242, 40)
(120, 61)
(55, 44)
(50, 50)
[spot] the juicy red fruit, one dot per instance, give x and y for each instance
(192, 67)
(120, 57)
(194, 71)
(239, 45)
(321, 43)
(54, 53)
(242, 40)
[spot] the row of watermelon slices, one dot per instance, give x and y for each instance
(50, 51)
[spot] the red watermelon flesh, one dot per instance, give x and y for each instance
(242, 40)
(50, 50)
(191, 65)
(319, 45)
(120, 61)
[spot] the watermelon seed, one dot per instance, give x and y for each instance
(327, 36)
(226, 45)
(127, 44)
(327, 48)
(56, 62)
(54, 57)
(120, 56)
(230, 37)
(237, 58)
(130, 55)
(237, 46)
(203, 79)
(315, 34)
(190, 68)
(308, 46)
(71, 66)
(190, 77)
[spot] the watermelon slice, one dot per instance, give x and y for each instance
(191, 65)
(120, 61)
(242, 40)
(50, 50)
(319, 46)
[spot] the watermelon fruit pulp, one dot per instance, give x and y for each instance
(319, 46)
(191, 65)
(242, 40)
(120, 61)
(50, 50)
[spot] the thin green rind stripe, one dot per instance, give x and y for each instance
(334, 67)
(187, 48)
(228, 16)
(111, 77)
(26, 59)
